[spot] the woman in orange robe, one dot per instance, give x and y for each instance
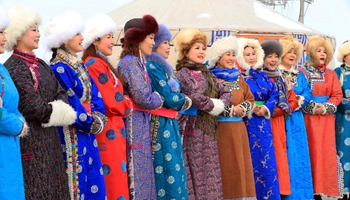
(319, 117)
(98, 44)
(287, 102)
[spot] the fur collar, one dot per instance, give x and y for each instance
(292, 69)
(159, 59)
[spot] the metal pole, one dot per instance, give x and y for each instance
(301, 11)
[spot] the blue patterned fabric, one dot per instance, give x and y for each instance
(168, 163)
(90, 176)
(11, 178)
(260, 137)
(137, 125)
(343, 125)
(297, 146)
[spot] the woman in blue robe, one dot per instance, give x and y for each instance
(170, 174)
(297, 143)
(250, 58)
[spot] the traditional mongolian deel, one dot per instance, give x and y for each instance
(137, 124)
(42, 158)
(11, 180)
(297, 144)
(169, 166)
(343, 124)
(112, 140)
(85, 170)
(260, 136)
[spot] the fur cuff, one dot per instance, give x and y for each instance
(62, 114)
(268, 114)
(310, 108)
(246, 105)
(251, 111)
(25, 129)
(228, 111)
(187, 103)
(329, 108)
(219, 106)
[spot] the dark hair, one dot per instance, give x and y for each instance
(91, 51)
(130, 50)
(54, 51)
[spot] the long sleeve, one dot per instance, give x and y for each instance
(271, 102)
(69, 81)
(159, 82)
(136, 84)
(10, 123)
(111, 90)
(293, 103)
(303, 89)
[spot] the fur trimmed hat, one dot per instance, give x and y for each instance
(270, 47)
(288, 43)
(242, 44)
(185, 40)
(162, 35)
(313, 44)
(62, 28)
(4, 20)
(343, 50)
(97, 27)
(220, 47)
(137, 29)
(21, 18)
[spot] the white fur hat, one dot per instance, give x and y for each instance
(244, 42)
(343, 50)
(4, 20)
(62, 28)
(97, 27)
(220, 47)
(21, 18)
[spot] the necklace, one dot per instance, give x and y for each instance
(232, 85)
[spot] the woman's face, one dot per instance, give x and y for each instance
(3, 39)
(288, 60)
(147, 44)
(271, 60)
(321, 54)
(249, 55)
(347, 59)
(29, 40)
(163, 49)
(105, 44)
(227, 60)
(197, 53)
(75, 44)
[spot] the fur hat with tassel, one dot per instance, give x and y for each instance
(220, 47)
(242, 44)
(185, 40)
(137, 29)
(21, 18)
(62, 28)
(162, 35)
(313, 44)
(289, 43)
(4, 20)
(343, 51)
(97, 27)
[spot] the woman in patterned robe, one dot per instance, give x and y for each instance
(250, 58)
(42, 105)
(319, 117)
(169, 166)
(297, 144)
(234, 152)
(137, 42)
(98, 44)
(84, 166)
(200, 128)
(342, 114)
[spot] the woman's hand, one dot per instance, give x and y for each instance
(239, 112)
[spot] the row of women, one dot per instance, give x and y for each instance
(249, 126)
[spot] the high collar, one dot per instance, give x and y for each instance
(30, 58)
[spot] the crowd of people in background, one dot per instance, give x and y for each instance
(246, 124)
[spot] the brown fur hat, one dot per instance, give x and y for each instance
(185, 40)
(137, 29)
(313, 44)
(288, 43)
(343, 50)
